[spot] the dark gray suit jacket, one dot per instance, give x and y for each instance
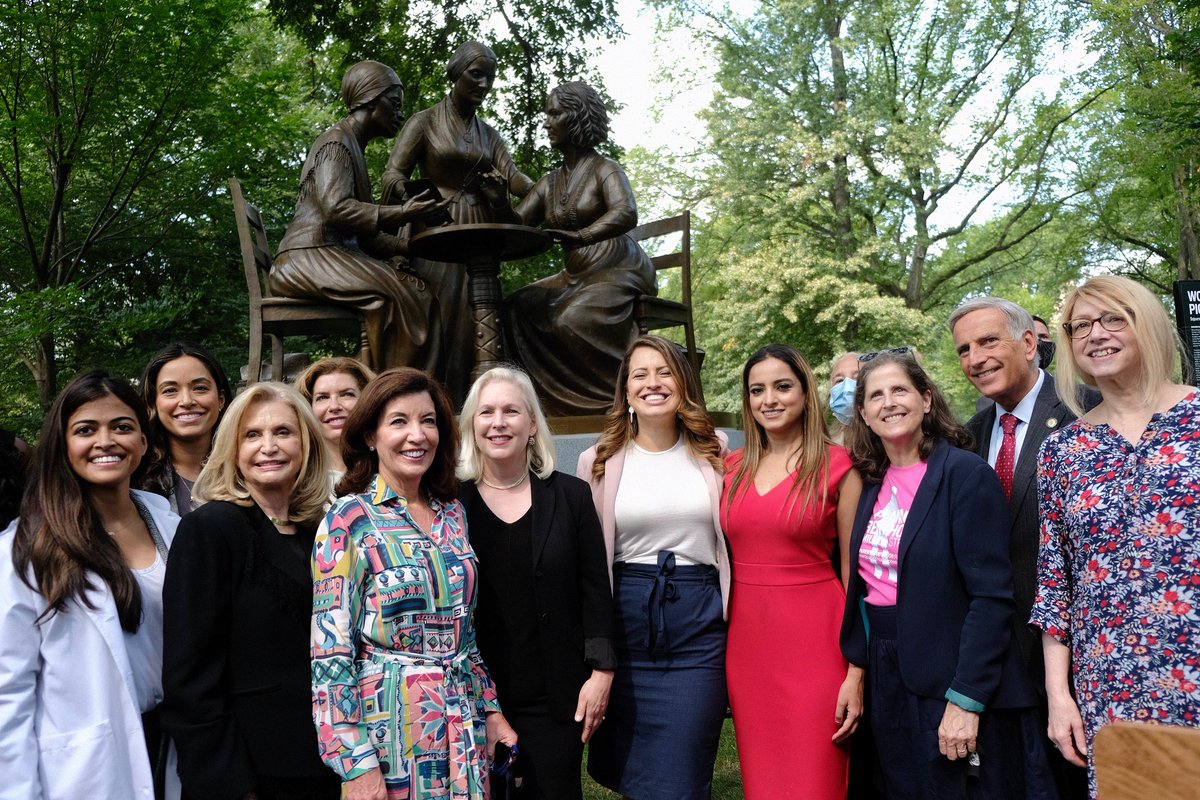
(1049, 414)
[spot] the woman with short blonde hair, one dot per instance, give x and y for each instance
(238, 604)
(1119, 511)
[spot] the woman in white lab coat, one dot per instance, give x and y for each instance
(81, 605)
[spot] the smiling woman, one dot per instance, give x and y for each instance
(186, 392)
(238, 600)
(545, 616)
(393, 633)
(81, 607)
(655, 477)
(931, 579)
(333, 386)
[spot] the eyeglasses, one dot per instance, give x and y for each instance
(1111, 321)
(894, 351)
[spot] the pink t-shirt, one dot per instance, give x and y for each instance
(878, 559)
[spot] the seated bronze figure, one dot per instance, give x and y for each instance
(336, 248)
(570, 330)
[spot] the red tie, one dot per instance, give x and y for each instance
(1008, 449)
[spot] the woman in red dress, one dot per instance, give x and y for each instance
(790, 497)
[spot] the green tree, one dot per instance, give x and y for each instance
(121, 122)
(1140, 169)
(870, 164)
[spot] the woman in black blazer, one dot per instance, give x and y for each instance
(238, 604)
(544, 618)
(929, 604)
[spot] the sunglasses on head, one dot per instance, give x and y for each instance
(904, 350)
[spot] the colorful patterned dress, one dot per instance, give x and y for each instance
(1119, 567)
(397, 680)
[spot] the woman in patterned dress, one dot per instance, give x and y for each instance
(1119, 556)
(570, 329)
(403, 704)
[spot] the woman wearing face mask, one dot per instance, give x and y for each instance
(842, 374)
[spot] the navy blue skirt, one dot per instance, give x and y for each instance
(1012, 760)
(659, 737)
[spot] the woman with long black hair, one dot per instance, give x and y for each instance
(81, 633)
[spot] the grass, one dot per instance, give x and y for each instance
(727, 776)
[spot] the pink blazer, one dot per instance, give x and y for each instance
(604, 495)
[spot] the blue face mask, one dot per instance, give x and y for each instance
(841, 400)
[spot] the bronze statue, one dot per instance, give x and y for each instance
(336, 246)
(570, 330)
(460, 154)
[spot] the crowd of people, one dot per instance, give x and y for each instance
(344, 589)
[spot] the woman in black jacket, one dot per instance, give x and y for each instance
(238, 605)
(545, 615)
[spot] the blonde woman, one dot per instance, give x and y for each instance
(238, 603)
(656, 482)
(1118, 504)
(545, 615)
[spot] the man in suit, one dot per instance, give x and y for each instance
(998, 352)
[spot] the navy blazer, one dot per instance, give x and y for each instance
(1049, 414)
(575, 610)
(954, 598)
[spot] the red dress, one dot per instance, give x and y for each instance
(783, 663)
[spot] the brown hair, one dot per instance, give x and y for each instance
(59, 533)
(158, 475)
(342, 365)
(693, 422)
(865, 446)
(812, 445)
(362, 463)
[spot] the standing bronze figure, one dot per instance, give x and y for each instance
(570, 330)
(336, 248)
(458, 152)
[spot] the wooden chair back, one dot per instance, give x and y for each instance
(277, 317)
(654, 313)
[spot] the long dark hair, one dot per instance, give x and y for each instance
(812, 448)
(158, 475)
(866, 448)
(362, 463)
(59, 533)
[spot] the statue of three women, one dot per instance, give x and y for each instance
(568, 330)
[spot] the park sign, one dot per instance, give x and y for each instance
(1187, 317)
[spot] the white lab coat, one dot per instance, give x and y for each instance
(69, 725)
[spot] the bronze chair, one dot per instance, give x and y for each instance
(654, 313)
(277, 317)
(1136, 760)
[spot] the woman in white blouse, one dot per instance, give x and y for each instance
(656, 482)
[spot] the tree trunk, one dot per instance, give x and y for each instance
(45, 370)
(840, 195)
(1188, 216)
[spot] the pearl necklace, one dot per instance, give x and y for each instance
(498, 487)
